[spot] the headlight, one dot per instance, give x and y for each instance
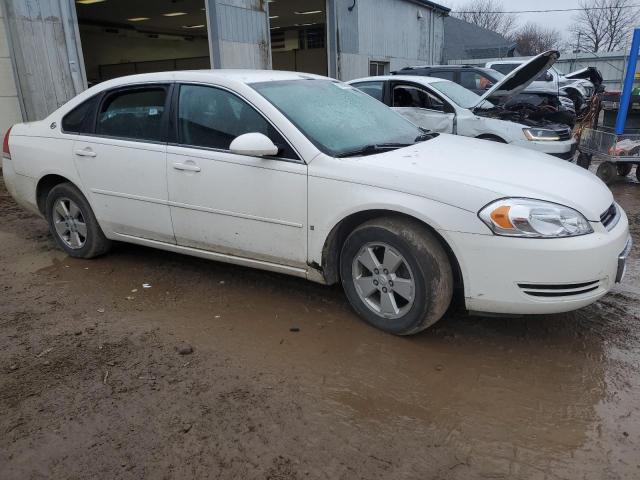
(522, 217)
(540, 134)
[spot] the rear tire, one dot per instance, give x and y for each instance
(396, 275)
(607, 172)
(73, 224)
(624, 169)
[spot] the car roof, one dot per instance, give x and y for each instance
(213, 75)
(506, 62)
(407, 78)
(441, 67)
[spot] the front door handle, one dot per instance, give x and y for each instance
(189, 167)
(86, 152)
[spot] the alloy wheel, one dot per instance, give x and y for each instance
(383, 280)
(69, 223)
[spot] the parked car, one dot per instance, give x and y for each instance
(545, 102)
(579, 86)
(307, 176)
(444, 106)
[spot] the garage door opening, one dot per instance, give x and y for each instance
(124, 37)
(298, 36)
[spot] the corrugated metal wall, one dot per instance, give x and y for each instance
(10, 110)
(239, 33)
(45, 54)
(400, 32)
(612, 65)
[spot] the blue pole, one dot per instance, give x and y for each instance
(628, 83)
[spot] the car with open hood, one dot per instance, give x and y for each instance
(538, 100)
(307, 176)
(579, 86)
(443, 106)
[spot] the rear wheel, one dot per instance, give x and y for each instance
(73, 224)
(607, 172)
(624, 169)
(396, 275)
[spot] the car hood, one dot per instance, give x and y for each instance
(589, 73)
(520, 78)
(469, 173)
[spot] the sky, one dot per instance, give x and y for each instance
(557, 20)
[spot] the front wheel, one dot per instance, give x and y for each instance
(73, 224)
(607, 172)
(396, 275)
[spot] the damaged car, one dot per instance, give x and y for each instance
(444, 106)
(578, 86)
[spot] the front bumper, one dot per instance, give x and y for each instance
(562, 147)
(535, 276)
(567, 155)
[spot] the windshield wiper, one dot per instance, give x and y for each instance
(426, 135)
(373, 149)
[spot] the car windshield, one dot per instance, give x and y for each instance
(459, 95)
(338, 118)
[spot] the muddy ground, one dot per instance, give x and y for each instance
(93, 384)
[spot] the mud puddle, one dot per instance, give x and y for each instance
(285, 382)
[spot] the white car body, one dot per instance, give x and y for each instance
(279, 215)
(556, 83)
(465, 122)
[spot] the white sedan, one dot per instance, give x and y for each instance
(307, 176)
(443, 106)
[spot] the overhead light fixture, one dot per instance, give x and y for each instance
(89, 2)
(174, 14)
(274, 16)
(304, 24)
(276, 28)
(138, 19)
(193, 26)
(308, 12)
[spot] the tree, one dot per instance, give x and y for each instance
(533, 39)
(487, 14)
(604, 25)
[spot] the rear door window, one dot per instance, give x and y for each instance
(133, 114)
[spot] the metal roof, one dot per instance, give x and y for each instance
(435, 6)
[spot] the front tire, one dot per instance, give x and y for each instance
(73, 224)
(607, 172)
(396, 275)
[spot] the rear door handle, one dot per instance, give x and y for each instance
(189, 167)
(87, 152)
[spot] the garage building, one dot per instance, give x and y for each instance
(50, 50)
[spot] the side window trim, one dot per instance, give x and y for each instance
(173, 139)
(105, 95)
(89, 119)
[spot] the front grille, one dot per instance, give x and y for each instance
(609, 217)
(559, 290)
(564, 134)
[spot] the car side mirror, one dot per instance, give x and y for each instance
(548, 77)
(253, 144)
